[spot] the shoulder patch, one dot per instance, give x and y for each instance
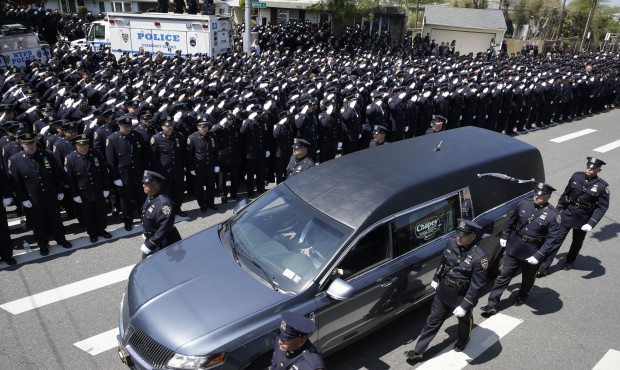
(558, 218)
(165, 209)
(484, 262)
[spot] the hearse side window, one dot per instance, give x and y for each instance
(370, 250)
(426, 224)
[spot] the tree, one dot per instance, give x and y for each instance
(577, 16)
(342, 9)
(476, 4)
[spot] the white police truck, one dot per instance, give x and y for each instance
(18, 46)
(166, 33)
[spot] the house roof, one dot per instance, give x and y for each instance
(488, 19)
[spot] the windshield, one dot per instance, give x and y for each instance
(286, 238)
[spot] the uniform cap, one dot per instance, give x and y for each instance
(438, 118)
(147, 114)
(466, 227)
(124, 120)
(169, 121)
(295, 325)
(543, 188)
(26, 137)
(300, 143)
(378, 129)
(80, 139)
(203, 123)
(595, 163)
(69, 126)
(152, 176)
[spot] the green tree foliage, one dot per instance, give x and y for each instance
(576, 17)
(476, 4)
(342, 9)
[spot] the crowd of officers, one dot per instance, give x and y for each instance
(209, 124)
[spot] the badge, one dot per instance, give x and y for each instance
(283, 325)
(46, 163)
(150, 209)
(468, 260)
(543, 216)
(96, 162)
(484, 263)
(165, 210)
(594, 188)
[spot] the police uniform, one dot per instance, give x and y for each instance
(37, 181)
(168, 158)
(297, 165)
(461, 276)
(530, 235)
(293, 326)
(157, 218)
(257, 143)
(378, 129)
(202, 160)
(582, 205)
(283, 140)
(87, 178)
(6, 244)
(228, 143)
(127, 157)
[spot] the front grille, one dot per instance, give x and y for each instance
(149, 350)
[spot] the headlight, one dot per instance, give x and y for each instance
(194, 362)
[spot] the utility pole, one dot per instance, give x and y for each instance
(561, 21)
(585, 31)
(248, 25)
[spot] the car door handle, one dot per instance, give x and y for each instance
(386, 284)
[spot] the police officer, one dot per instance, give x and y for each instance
(300, 161)
(293, 349)
(37, 183)
(438, 124)
(168, 158)
(257, 144)
(228, 142)
(379, 132)
(127, 156)
(6, 244)
(459, 280)
(157, 215)
(529, 236)
(202, 163)
(87, 178)
(582, 205)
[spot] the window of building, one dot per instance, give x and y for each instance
(287, 15)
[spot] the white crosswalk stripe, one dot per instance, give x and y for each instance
(608, 147)
(574, 135)
(611, 361)
(99, 343)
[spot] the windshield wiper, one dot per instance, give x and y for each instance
(236, 251)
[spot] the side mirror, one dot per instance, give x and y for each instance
(340, 290)
(242, 203)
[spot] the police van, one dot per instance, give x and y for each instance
(19, 46)
(166, 33)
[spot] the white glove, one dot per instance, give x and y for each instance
(7, 201)
(106, 193)
(502, 242)
(532, 260)
(267, 154)
(145, 250)
(77, 199)
(339, 145)
(60, 196)
(118, 182)
(216, 169)
(459, 312)
(193, 172)
(406, 128)
(359, 136)
(434, 284)
(143, 237)
(586, 228)
(27, 204)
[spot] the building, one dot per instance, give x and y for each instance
(472, 29)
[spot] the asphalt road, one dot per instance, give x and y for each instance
(569, 321)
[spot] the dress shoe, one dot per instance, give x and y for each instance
(541, 273)
(9, 260)
(568, 266)
(414, 356)
(459, 346)
(181, 213)
(213, 207)
(106, 234)
(488, 311)
(518, 301)
(45, 250)
(93, 239)
(128, 227)
(251, 197)
(203, 209)
(64, 243)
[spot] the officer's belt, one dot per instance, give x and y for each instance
(456, 284)
(583, 205)
(529, 239)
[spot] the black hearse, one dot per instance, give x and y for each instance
(352, 243)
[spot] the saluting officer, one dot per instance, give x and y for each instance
(228, 143)
(529, 236)
(157, 215)
(438, 124)
(37, 183)
(300, 161)
(168, 158)
(127, 156)
(257, 145)
(87, 178)
(202, 163)
(459, 280)
(293, 349)
(582, 205)
(378, 132)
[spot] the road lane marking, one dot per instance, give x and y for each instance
(67, 291)
(99, 343)
(573, 135)
(608, 147)
(608, 362)
(483, 336)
